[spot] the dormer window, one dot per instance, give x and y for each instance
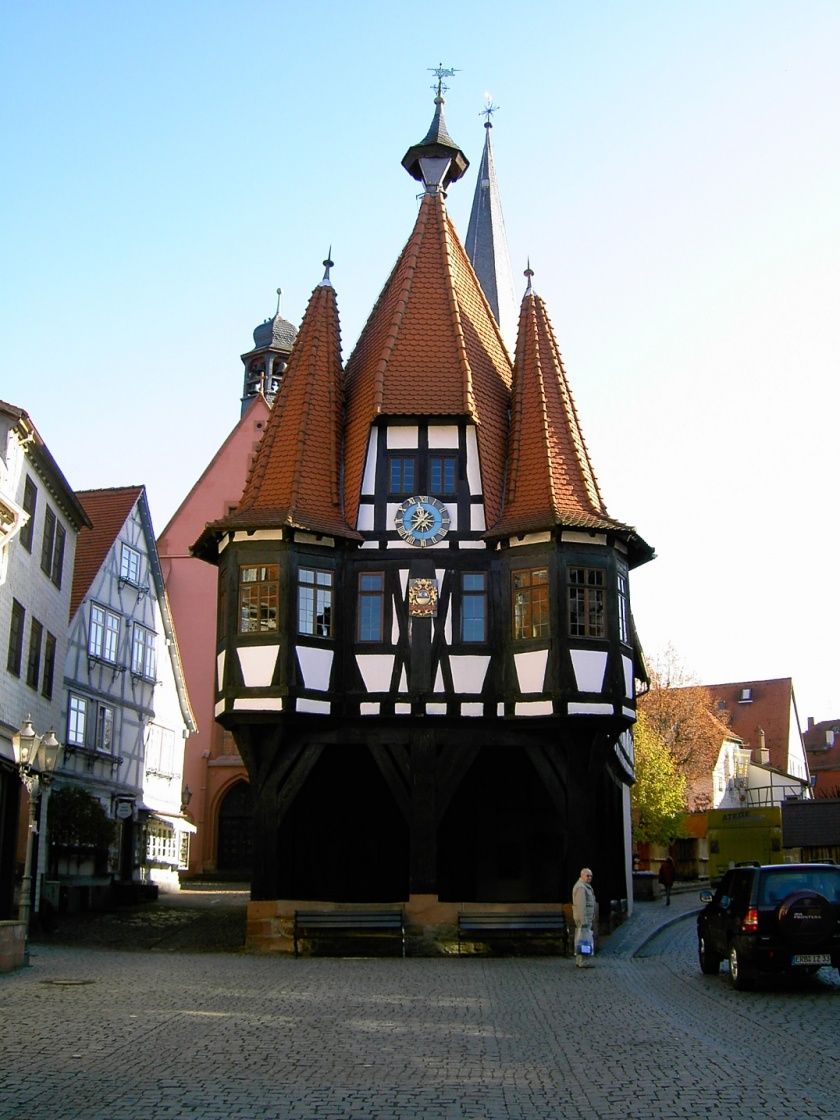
(745, 696)
(402, 474)
(443, 473)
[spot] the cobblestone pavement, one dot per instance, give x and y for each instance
(93, 1035)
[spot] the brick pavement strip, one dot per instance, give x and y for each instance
(184, 1035)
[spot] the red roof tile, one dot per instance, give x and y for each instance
(769, 710)
(294, 479)
(550, 480)
(431, 346)
(108, 511)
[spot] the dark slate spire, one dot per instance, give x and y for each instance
(486, 242)
(437, 160)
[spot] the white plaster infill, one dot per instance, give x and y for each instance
(534, 708)
(583, 709)
(627, 663)
(443, 436)
(530, 670)
(369, 708)
(471, 709)
(376, 669)
(220, 670)
(590, 666)
(258, 704)
(469, 672)
(473, 465)
(257, 663)
(258, 535)
(529, 538)
(316, 666)
(364, 522)
(369, 479)
(319, 707)
(402, 435)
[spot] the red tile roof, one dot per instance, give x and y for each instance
(550, 480)
(294, 479)
(108, 511)
(768, 710)
(822, 742)
(431, 346)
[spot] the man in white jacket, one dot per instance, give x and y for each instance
(583, 911)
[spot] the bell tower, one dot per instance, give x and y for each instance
(266, 363)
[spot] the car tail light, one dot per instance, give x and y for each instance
(750, 922)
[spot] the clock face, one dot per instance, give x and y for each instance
(422, 521)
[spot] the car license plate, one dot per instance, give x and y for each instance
(811, 958)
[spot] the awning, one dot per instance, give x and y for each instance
(181, 824)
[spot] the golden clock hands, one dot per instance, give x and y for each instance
(421, 520)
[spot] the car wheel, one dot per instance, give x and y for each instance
(709, 962)
(738, 976)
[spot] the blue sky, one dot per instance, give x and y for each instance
(671, 169)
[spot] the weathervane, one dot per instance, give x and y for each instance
(488, 110)
(440, 72)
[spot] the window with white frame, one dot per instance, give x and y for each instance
(104, 728)
(160, 750)
(76, 721)
(143, 652)
(104, 635)
(129, 564)
(162, 843)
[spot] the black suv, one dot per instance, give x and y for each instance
(784, 917)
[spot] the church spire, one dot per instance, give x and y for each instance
(486, 242)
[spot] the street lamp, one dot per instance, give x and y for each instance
(37, 758)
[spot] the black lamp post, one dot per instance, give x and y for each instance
(36, 757)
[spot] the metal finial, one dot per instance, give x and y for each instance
(440, 72)
(488, 110)
(279, 294)
(529, 272)
(328, 264)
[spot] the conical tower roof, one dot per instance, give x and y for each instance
(486, 243)
(294, 480)
(431, 346)
(550, 481)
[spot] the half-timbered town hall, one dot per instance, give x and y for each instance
(426, 653)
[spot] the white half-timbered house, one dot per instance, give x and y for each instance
(127, 710)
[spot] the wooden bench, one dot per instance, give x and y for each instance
(491, 927)
(312, 925)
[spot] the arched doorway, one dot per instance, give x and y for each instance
(501, 839)
(344, 838)
(235, 842)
